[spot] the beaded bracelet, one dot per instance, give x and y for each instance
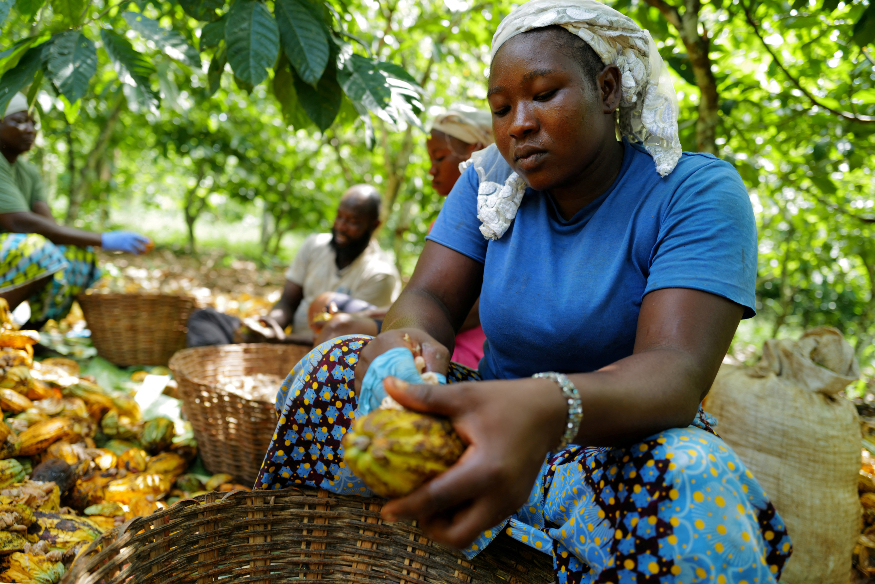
(575, 410)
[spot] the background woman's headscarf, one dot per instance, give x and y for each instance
(18, 103)
(465, 123)
(648, 105)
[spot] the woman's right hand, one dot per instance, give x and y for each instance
(125, 241)
(437, 357)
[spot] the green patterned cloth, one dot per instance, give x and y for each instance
(27, 257)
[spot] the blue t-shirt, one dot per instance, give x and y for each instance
(565, 295)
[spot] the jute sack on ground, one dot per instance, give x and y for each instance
(788, 421)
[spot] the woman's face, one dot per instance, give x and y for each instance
(446, 154)
(550, 122)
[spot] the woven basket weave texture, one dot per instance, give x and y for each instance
(137, 329)
(232, 432)
(292, 535)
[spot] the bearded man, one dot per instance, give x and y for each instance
(347, 261)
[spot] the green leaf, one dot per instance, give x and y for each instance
(828, 5)
(304, 39)
(5, 6)
(680, 62)
(169, 89)
(727, 105)
(864, 30)
(71, 61)
(217, 67)
(29, 8)
(71, 110)
(202, 9)
(253, 40)
(19, 76)
(34, 87)
(364, 83)
(284, 90)
(821, 150)
(170, 42)
(69, 11)
(321, 103)
(396, 71)
(132, 67)
(825, 185)
(212, 34)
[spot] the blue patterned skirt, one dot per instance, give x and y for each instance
(678, 506)
(27, 257)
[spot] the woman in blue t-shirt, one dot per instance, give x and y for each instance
(614, 273)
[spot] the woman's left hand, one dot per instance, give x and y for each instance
(509, 427)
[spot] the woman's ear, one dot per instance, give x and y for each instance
(610, 88)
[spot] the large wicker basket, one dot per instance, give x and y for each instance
(137, 329)
(232, 432)
(292, 535)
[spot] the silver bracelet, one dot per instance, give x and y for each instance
(575, 409)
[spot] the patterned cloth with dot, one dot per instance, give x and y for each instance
(678, 507)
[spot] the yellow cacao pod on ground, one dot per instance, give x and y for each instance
(18, 339)
(217, 479)
(40, 390)
(107, 509)
(11, 472)
(63, 531)
(33, 569)
(167, 463)
(69, 366)
(12, 401)
(12, 357)
(96, 400)
(396, 451)
(10, 542)
(133, 460)
(157, 434)
(17, 378)
(43, 434)
(137, 485)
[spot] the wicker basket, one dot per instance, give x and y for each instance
(137, 329)
(232, 432)
(292, 535)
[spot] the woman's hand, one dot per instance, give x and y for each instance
(509, 427)
(437, 357)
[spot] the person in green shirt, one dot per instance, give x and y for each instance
(40, 261)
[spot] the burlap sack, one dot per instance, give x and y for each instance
(787, 420)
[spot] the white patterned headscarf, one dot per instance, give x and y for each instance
(648, 105)
(468, 124)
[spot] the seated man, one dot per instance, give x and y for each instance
(40, 261)
(347, 260)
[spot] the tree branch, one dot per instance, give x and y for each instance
(671, 14)
(808, 94)
(834, 207)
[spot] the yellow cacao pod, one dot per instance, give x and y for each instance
(217, 479)
(18, 339)
(33, 568)
(10, 542)
(69, 366)
(17, 378)
(157, 434)
(167, 463)
(133, 460)
(12, 401)
(63, 531)
(11, 472)
(396, 451)
(136, 485)
(107, 509)
(96, 400)
(12, 357)
(39, 390)
(43, 434)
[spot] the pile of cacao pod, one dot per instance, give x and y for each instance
(75, 460)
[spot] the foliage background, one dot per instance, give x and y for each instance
(783, 90)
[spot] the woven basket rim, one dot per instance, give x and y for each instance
(99, 294)
(203, 385)
(121, 553)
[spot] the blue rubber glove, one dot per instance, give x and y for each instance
(397, 362)
(126, 241)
